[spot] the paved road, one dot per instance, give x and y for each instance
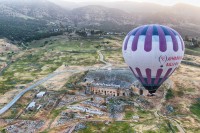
(18, 96)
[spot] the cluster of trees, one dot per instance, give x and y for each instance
(96, 32)
(194, 42)
(112, 27)
(81, 33)
(25, 30)
(85, 33)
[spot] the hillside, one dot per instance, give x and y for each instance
(39, 17)
(37, 9)
(102, 18)
(182, 17)
(26, 20)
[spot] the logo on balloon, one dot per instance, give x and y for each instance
(162, 60)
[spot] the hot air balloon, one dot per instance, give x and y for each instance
(153, 52)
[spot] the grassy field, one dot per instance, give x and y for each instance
(40, 61)
(44, 56)
(128, 127)
(195, 51)
(114, 127)
(114, 57)
(128, 115)
(195, 108)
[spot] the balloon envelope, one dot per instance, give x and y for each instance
(153, 52)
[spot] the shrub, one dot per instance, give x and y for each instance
(195, 108)
(169, 94)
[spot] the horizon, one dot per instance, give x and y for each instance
(162, 3)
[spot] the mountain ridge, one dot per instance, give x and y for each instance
(107, 18)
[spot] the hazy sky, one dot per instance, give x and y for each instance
(163, 2)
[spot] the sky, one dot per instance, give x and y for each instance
(162, 2)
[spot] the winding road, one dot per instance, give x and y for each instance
(18, 96)
(101, 58)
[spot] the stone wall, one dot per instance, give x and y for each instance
(110, 91)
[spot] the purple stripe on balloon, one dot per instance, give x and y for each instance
(174, 40)
(140, 75)
(133, 72)
(128, 37)
(162, 39)
(166, 75)
(159, 72)
(126, 42)
(135, 40)
(148, 73)
(182, 43)
(148, 39)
